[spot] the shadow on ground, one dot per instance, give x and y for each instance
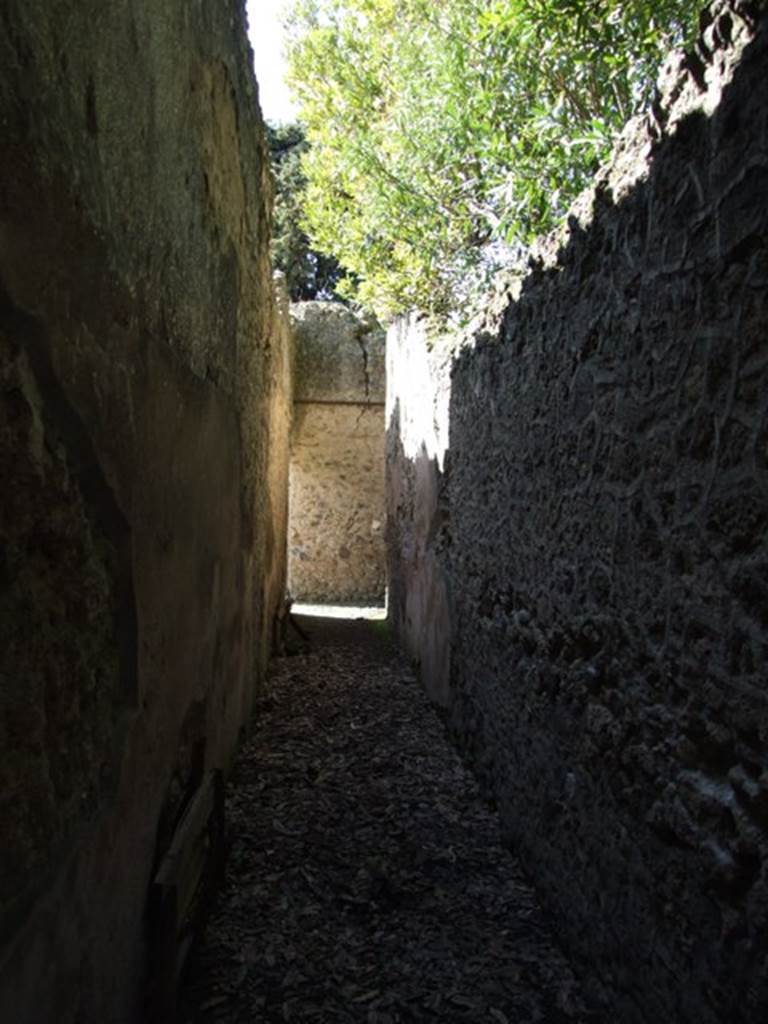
(366, 879)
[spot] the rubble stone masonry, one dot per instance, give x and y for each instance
(581, 528)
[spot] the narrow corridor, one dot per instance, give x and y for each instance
(366, 880)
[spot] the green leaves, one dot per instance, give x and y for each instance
(309, 274)
(442, 132)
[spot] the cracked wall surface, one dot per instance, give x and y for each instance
(584, 505)
(336, 534)
(143, 371)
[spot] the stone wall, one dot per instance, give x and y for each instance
(594, 541)
(142, 375)
(418, 397)
(276, 445)
(336, 539)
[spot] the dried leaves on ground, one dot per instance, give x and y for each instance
(366, 881)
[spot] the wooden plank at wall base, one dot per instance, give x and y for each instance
(182, 890)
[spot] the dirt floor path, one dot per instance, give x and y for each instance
(366, 881)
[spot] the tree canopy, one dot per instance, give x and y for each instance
(308, 274)
(445, 134)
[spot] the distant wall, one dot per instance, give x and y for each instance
(336, 539)
(142, 375)
(594, 543)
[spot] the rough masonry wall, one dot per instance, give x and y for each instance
(598, 542)
(142, 517)
(336, 536)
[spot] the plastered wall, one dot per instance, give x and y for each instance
(142, 388)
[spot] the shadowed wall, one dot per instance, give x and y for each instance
(587, 513)
(142, 375)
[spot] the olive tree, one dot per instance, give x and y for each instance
(443, 135)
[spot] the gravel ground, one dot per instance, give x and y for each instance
(366, 881)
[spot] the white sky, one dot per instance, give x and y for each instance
(266, 35)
